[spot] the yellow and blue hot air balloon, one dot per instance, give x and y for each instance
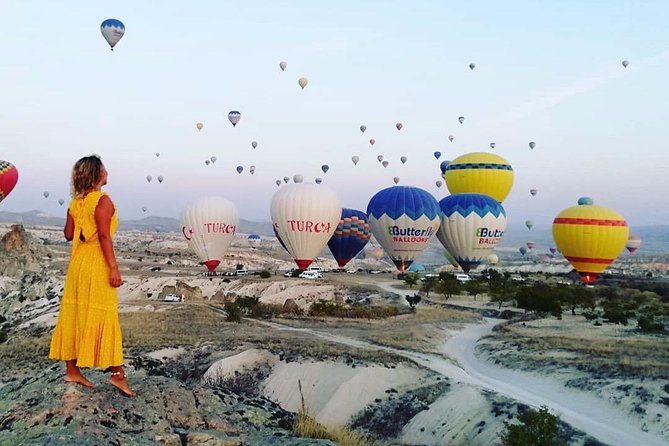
(590, 237)
(479, 173)
(350, 237)
(403, 220)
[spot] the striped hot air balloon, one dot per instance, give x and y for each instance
(480, 173)
(350, 237)
(9, 176)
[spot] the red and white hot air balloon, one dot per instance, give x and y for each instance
(305, 216)
(209, 225)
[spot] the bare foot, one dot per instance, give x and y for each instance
(119, 381)
(78, 378)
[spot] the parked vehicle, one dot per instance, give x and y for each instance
(292, 273)
(310, 275)
(172, 298)
(463, 277)
(317, 269)
(351, 271)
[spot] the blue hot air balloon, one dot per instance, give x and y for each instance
(254, 240)
(112, 30)
(350, 237)
(444, 165)
(234, 116)
(325, 168)
(403, 219)
(523, 250)
(437, 154)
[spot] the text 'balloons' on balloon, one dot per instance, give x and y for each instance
(297, 178)
(112, 30)
(325, 168)
(451, 138)
(199, 126)
(399, 126)
(363, 128)
(254, 144)
(350, 236)
(253, 240)
(532, 144)
(372, 141)
(234, 116)
(239, 169)
(403, 219)
(305, 217)
(9, 176)
(437, 154)
(633, 243)
(480, 173)
(403, 159)
(396, 180)
(533, 192)
(283, 65)
(209, 225)
(625, 63)
(355, 159)
(590, 237)
(302, 82)
(461, 119)
(472, 226)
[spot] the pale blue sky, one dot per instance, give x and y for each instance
(546, 71)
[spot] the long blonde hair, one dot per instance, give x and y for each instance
(86, 174)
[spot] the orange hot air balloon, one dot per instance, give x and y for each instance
(8, 178)
(590, 237)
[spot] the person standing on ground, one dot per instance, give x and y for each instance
(88, 333)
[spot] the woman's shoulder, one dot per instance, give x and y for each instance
(93, 198)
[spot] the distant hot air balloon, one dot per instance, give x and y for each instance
(590, 237)
(254, 144)
(481, 173)
(297, 178)
(472, 66)
(492, 145)
(529, 224)
(305, 217)
(278, 183)
(585, 201)
(451, 138)
(234, 116)
(318, 180)
(396, 180)
(302, 82)
(533, 192)
(398, 126)
(240, 169)
(160, 178)
(472, 226)
(9, 176)
(523, 250)
(199, 125)
(532, 144)
(553, 250)
(149, 178)
(253, 240)
(363, 128)
(325, 168)
(283, 65)
(144, 208)
(403, 159)
(492, 259)
(207, 162)
(213, 159)
(633, 243)
(437, 154)
(384, 163)
(379, 158)
(372, 141)
(112, 30)
(157, 154)
(625, 63)
(438, 183)
(61, 201)
(286, 179)
(403, 219)
(46, 194)
(461, 119)
(355, 159)
(350, 236)
(443, 166)
(209, 226)
(530, 244)
(252, 170)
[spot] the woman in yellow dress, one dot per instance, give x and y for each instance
(88, 333)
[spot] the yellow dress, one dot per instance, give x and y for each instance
(88, 329)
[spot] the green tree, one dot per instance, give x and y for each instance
(411, 279)
(540, 299)
(428, 285)
(577, 296)
(474, 288)
(501, 289)
(447, 285)
(536, 428)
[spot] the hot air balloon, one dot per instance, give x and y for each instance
(398, 126)
(481, 173)
(379, 158)
(533, 192)
(532, 144)
(437, 154)
(529, 224)
(451, 138)
(46, 194)
(585, 201)
(61, 201)
(160, 178)
(234, 116)
(625, 63)
(530, 244)
(209, 225)
(472, 66)
(283, 65)
(403, 159)
(149, 178)
(384, 163)
(112, 30)
(553, 250)
(443, 166)
(492, 259)
(363, 128)
(278, 183)
(252, 170)
(396, 180)
(523, 250)
(492, 145)
(472, 226)
(403, 219)
(144, 208)
(240, 169)
(207, 162)
(213, 159)
(254, 240)
(286, 179)
(325, 168)
(461, 119)
(372, 141)
(305, 217)
(302, 82)
(355, 159)
(254, 144)
(9, 176)
(438, 183)
(157, 154)
(297, 178)
(199, 125)
(318, 180)
(633, 243)
(590, 237)
(350, 236)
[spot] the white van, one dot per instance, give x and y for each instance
(316, 269)
(463, 277)
(172, 298)
(310, 275)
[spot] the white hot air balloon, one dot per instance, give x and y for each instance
(305, 216)
(396, 180)
(283, 65)
(209, 226)
(213, 159)
(355, 159)
(297, 178)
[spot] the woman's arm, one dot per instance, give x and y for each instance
(69, 227)
(103, 215)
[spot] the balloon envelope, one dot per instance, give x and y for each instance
(149, 178)
(234, 116)
(532, 144)
(253, 240)
(533, 192)
(209, 225)
(523, 250)
(451, 138)
(199, 125)
(207, 162)
(286, 179)
(363, 128)
(438, 183)
(633, 243)
(403, 219)
(529, 224)
(305, 217)
(385, 163)
(283, 65)
(492, 259)
(355, 159)
(461, 119)
(46, 194)
(302, 82)
(325, 168)
(625, 63)
(492, 145)
(240, 169)
(254, 144)
(252, 170)
(350, 236)
(278, 183)
(403, 159)
(160, 178)
(318, 180)
(144, 208)
(297, 178)
(437, 154)
(481, 173)
(112, 30)
(398, 126)
(213, 159)
(396, 180)
(472, 66)
(9, 176)
(372, 141)
(61, 201)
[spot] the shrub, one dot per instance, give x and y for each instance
(324, 308)
(234, 313)
(535, 428)
(264, 274)
(3, 336)
(646, 324)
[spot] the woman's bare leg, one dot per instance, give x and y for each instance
(74, 375)
(119, 381)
